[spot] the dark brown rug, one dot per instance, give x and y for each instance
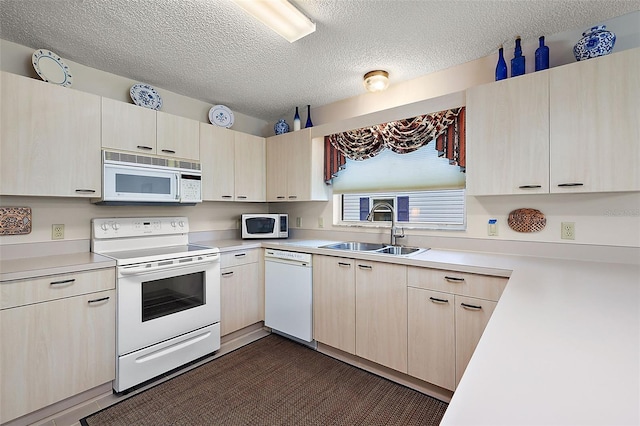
(274, 381)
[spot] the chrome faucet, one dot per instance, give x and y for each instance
(394, 231)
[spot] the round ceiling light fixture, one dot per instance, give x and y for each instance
(376, 81)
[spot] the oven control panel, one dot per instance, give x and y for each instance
(138, 227)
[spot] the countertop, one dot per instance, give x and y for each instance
(562, 346)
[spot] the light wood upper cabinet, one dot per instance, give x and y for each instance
(177, 136)
(381, 313)
(49, 139)
(249, 166)
(294, 167)
(595, 125)
(569, 129)
(334, 302)
(58, 339)
(129, 127)
(217, 161)
(508, 136)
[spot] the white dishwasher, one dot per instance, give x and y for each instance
(288, 298)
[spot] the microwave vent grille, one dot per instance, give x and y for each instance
(122, 157)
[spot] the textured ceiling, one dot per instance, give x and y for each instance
(213, 51)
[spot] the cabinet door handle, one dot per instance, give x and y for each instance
(348, 265)
(453, 279)
(148, 148)
(227, 274)
(436, 300)
(564, 185)
(281, 197)
(293, 197)
(169, 151)
(474, 307)
(227, 196)
(240, 255)
(530, 186)
(242, 197)
(365, 267)
(86, 191)
(62, 282)
(102, 299)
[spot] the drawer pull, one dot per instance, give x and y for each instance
(242, 197)
(344, 264)
(227, 274)
(240, 255)
(436, 300)
(86, 191)
(293, 197)
(169, 151)
(69, 281)
(102, 299)
(281, 197)
(365, 267)
(474, 307)
(227, 196)
(148, 148)
(563, 185)
(453, 279)
(530, 186)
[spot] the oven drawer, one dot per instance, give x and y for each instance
(239, 257)
(462, 283)
(52, 287)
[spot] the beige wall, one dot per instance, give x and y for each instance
(600, 219)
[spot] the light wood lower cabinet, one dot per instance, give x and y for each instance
(56, 348)
(432, 345)
(241, 290)
(334, 302)
(472, 316)
(381, 313)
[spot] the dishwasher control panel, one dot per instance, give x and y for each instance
(287, 255)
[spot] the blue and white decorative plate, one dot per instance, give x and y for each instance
(221, 116)
(145, 96)
(51, 68)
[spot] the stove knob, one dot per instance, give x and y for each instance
(173, 223)
(181, 223)
(115, 226)
(104, 226)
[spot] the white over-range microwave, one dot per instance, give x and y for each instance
(138, 179)
(265, 225)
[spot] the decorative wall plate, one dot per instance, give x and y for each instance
(15, 220)
(221, 116)
(51, 68)
(145, 96)
(527, 220)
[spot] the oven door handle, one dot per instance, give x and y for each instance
(166, 264)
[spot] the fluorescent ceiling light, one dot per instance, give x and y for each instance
(281, 16)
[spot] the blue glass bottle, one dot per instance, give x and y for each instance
(309, 123)
(542, 56)
(517, 63)
(501, 67)
(296, 120)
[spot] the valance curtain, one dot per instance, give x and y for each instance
(402, 136)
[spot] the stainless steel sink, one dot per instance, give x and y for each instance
(375, 248)
(399, 250)
(355, 246)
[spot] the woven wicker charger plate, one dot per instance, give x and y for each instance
(527, 220)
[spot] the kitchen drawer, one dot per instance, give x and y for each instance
(28, 291)
(462, 283)
(239, 257)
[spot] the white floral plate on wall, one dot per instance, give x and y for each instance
(145, 96)
(221, 116)
(51, 68)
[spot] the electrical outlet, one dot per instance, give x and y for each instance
(568, 231)
(320, 222)
(57, 232)
(298, 221)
